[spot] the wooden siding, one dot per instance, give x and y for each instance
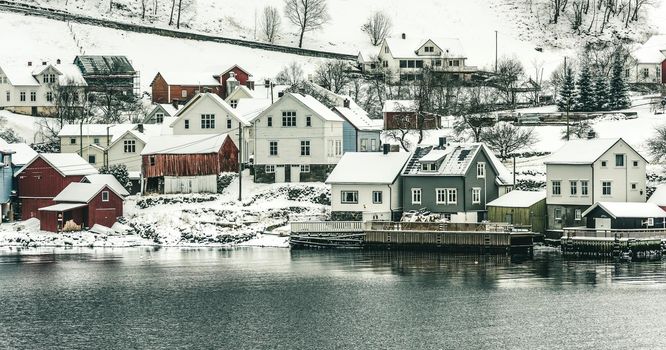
(241, 76)
(161, 89)
(105, 213)
(192, 164)
(408, 120)
(534, 215)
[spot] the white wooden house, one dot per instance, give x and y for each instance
(296, 139)
(584, 172)
(33, 87)
(647, 64)
(371, 194)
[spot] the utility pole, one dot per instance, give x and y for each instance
(568, 99)
(240, 161)
(514, 171)
(495, 51)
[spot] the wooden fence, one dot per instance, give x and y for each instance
(633, 233)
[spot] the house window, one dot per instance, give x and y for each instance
(440, 195)
(429, 49)
(22, 96)
(658, 73)
(92, 159)
(151, 159)
(338, 147)
(373, 145)
(228, 123)
(364, 145)
(305, 148)
(349, 197)
(75, 97)
(159, 118)
(105, 196)
(573, 187)
(403, 63)
(308, 121)
(410, 64)
(183, 93)
(187, 123)
(650, 221)
(49, 97)
(557, 214)
(289, 119)
(583, 188)
(269, 121)
(377, 197)
(273, 148)
(305, 168)
(480, 170)
(233, 103)
(606, 188)
(386, 49)
(451, 196)
(619, 160)
(384, 64)
(416, 196)
(330, 148)
(634, 186)
(72, 141)
(635, 163)
(33, 96)
(49, 78)
(96, 140)
(208, 121)
(557, 188)
(603, 163)
(476, 195)
(269, 169)
(419, 63)
(645, 72)
(627, 73)
(129, 146)
(438, 63)
(9, 96)
(578, 215)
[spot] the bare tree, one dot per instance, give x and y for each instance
(378, 27)
(143, 9)
(509, 72)
(173, 6)
(270, 23)
(180, 7)
(657, 144)
(332, 75)
(504, 139)
(308, 15)
(290, 74)
(474, 112)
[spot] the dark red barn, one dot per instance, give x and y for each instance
(86, 204)
(46, 175)
(403, 114)
(241, 77)
(170, 88)
(187, 163)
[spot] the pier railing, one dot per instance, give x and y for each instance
(299, 227)
(326, 226)
(612, 233)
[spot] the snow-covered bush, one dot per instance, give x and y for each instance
(119, 171)
(224, 180)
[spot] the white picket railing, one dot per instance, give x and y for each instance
(326, 226)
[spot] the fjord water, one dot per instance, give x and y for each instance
(262, 298)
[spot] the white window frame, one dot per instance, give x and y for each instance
(105, 196)
(269, 169)
(559, 187)
(633, 186)
(476, 195)
(183, 93)
(650, 222)
(610, 188)
(289, 119)
(233, 103)
(440, 196)
(129, 146)
(270, 148)
(159, 118)
(377, 197)
(451, 193)
(584, 188)
(481, 170)
(343, 197)
(416, 196)
(623, 160)
(208, 121)
(573, 188)
(305, 168)
(338, 148)
(578, 215)
(306, 150)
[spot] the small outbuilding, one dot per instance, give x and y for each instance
(526, 208)
(658, 197)
(625, 215)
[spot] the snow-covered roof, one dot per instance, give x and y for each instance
(67, 164)
(213, 97)
(232, 67)
(519, 199)
(659, 196)
(107, 179)
(260, 91)
(368, 168)
(169, 109)
(582, 151)
(22, 153)
(62, 207)
(316, 106)
(24, 75)
(629, 209)
(70, 130)
(406, 48)
(392, 106)
(651, 50)
(436, 154)
(81, 192)
(184, 144)
(248, 108)
(188, 78)
(359, 120)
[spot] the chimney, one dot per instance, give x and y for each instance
(386, 148)
(404, 36)
(249, 84)
(43, 63)
(280, 94)
(345, 103)
(442, 142)
(174, 103)
(58, 61)
(139, 127)
(29, 63)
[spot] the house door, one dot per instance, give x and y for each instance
(602, 223)
(279, 174)
(33, 111)
(105, 216)
(295, 173)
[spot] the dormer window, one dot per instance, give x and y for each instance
(429, 166)
(429, 49)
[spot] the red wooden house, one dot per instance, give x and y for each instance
(42, 178)
(181, 87)
(403, 114)
(187, 163)
(232, 77)
(86, 204)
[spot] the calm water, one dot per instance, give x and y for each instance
(278, 299)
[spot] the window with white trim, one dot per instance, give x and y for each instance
(228, 123)
(440, 195)
(183, 93)
(416, 196)
(308, 121)
(187, 123)
(49, 96)
(105, 196)
(480, 170)
(208, 121)
(72, 141)
(573, 188)
(349, 197)
(377, 197)
(476, 195)
(159, 118)
(305, 148)
(269, 169)
(606, 189)
(338, 147)
(305, 168)
(22, 96)
(273, 148)
(92, 159)
(289, 119)
(584, 188)
(451, 196)
(233, 103)
(269, 121)
(556, 187)
(578, 215)
(129, 146)
(634, 186)
(650, 221)
(33, 96)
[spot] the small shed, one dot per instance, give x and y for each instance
(86, 204)
(520, 208)
(625, 215)
(187, 163)
(658, 197)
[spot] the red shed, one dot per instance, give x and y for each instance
(86, 204)
(242, 77)
(187, 163)
(180, 88)
(46, 175)
(402, 114)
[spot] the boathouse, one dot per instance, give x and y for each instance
(630, 215)
(522, 208)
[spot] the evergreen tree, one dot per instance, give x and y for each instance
(584, 92)
(619, 97)
(119, 171)
(601, 99)
(567, 91)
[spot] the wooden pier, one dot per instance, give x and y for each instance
(635, 243)
(467, 237)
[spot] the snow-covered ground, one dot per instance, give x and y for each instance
(194, 220)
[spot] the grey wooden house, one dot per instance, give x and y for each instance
(625, 215)
(523, 208)
(455, 181)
